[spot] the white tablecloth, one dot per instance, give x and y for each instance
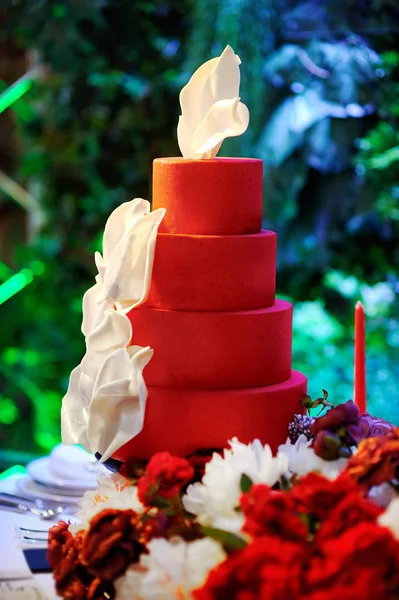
(16, 580)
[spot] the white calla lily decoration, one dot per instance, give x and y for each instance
(211, 107)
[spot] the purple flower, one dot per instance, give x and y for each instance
(373, 426)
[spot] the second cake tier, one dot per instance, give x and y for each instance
(215, 350)
(213, 272)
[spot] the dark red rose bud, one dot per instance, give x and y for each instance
(327, 445)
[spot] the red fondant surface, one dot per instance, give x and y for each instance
(222, 196)
(182, 421)
(215, 350)
(214, 273)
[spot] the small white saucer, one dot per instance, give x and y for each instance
(29, 489)
(39, 470)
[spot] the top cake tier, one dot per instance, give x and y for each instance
(222, 196)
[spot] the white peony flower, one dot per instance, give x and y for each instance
(302, 459)
(113, 491)
(215, 499)
(172, 569)
(105, 402)
(211, 107)
(390, 518)
(382, 494)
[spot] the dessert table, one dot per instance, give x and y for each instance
(17, 582)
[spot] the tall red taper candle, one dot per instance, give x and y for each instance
(360, 359)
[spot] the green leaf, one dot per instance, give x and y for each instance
(230, 541)
(159, 502)
(246, 483)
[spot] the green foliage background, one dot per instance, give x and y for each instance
(321, 81)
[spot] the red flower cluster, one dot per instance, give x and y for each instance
(318, 541)
(164, 477)
(85, 565)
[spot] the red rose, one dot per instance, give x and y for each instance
(199, 460)
(350, 511)
(58, 535)
(361, 563)
(315, 494)
(272, 513)
(110, 545)
(164, 477)
(267, 569)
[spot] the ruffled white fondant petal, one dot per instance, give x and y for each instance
(101, 265)
(105, 402)
(120, 223)
(114, 331)
(128, 275)
(224, 77)
(93, 308)
(75, 413)
(215, 81)
(226, 118)
(117, 409)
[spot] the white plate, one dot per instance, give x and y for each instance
(39, 471)
(29, 489)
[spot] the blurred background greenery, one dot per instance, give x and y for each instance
(98, 101)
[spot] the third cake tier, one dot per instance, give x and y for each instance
(216, 350)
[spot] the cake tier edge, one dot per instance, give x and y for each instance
(215, 350)
(182, 421)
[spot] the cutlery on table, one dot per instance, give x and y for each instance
(24, 506)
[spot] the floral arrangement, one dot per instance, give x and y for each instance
(318, 521)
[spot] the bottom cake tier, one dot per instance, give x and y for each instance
(183, 421)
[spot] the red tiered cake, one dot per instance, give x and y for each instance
(222, 343)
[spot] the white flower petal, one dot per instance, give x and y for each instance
(302, 459)
(172, 569)
(215, 499)
(113, 491)
(117, 408)
(390, 518)
(211, 108)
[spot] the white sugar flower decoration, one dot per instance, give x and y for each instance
(172, 569)
(113, 491)
(125, 268)
(105, 402)
(215, 499)
(302, 459)
(390, 518)
(211, 107)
